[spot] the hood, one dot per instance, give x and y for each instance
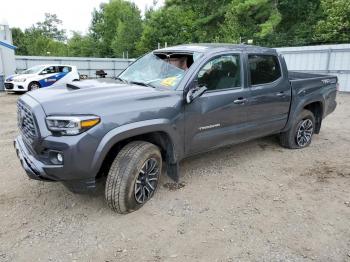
(93, 97)
(12, 77)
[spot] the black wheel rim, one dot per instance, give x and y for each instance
(146, 181)
(304, 133)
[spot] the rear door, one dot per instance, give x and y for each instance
(48, 76)
(218, 117)
(270, 94)
(64, 75)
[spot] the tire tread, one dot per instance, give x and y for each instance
(287, 138)
(117, 179)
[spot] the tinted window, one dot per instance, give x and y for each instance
(263, 69)
(221, 73)
(64, 69)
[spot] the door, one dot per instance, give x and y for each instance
(270, 95)
(64, 75)
(218, 117)
(48, 75)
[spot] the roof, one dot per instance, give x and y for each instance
(209, 47)
(46, 65)
(7, 45)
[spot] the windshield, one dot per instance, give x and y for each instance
(33, 70)
(159, 69)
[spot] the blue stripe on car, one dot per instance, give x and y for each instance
(10, 78)
(52, 79)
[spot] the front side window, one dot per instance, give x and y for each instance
(50, 70)
(264, 69)
(221, 73)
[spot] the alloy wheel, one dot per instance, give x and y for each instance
(34, 87)
(146, 181)
(304, 132)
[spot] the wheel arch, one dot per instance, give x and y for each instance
(317, 110)
(31, 82)
(316, 106)
(158, 134)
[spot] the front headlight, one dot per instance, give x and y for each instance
(19, 80)
(71, 125)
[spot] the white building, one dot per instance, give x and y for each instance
(7, 54)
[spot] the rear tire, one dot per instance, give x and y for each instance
(300, 134)
(133, 177)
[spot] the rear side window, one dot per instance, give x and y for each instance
(64, 69)
(264, 69)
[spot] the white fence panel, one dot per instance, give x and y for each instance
(325, 59)
(85, 65)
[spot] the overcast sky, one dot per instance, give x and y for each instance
(75, 14)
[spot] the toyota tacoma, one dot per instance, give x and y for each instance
(169, 104)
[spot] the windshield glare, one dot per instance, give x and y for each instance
(159, 70)
(33, 70)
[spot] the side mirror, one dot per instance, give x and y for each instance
(44, 72)
(193, 93)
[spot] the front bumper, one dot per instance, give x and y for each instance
(37, 170)
(15, 86)
(33, 167)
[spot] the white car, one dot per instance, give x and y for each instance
(41, 76)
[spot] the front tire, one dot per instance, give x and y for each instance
(33, 86)
(300, 134)
(133, 177)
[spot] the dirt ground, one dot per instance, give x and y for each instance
(251, 202)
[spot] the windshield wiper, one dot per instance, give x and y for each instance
(141, 84)
(121, 80)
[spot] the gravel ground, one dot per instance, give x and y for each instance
(251, 202)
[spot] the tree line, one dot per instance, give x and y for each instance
(117, 27)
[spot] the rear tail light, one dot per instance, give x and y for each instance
(337, 86)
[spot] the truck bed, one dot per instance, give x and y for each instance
(315, 85)
(296, 75)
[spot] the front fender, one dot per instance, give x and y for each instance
(133, 129)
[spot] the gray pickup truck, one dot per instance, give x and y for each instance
(169, 104)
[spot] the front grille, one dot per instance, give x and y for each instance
(25, 122)
(8, 85)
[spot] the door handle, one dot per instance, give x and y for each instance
(281, 94)
(240, 101)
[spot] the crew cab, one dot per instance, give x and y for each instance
(41, 76)
(168, 105)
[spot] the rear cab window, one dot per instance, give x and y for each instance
(263, 69)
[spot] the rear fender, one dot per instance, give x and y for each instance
(299, 102)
